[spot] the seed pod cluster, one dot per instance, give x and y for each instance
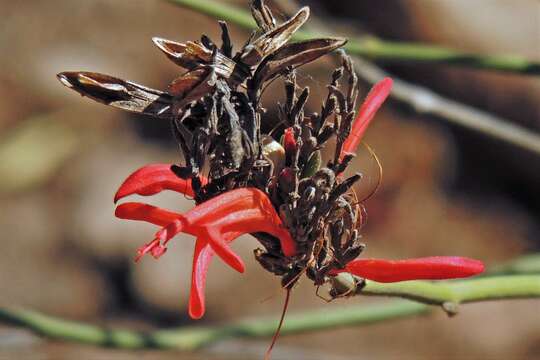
(215, 111)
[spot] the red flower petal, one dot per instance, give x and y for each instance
(215, 223)
(152, 179)
(428, 268)
(373, 102)
(201, 261)
(254, 220)
(145, 212)
(202, 257)
(218, 244)
(244, 210)
(174, 223)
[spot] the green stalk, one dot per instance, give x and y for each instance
(457, 292)
(528, 264)
(190, 338)
(446, 293)
(378, 49)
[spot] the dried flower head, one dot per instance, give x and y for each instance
(271, 185)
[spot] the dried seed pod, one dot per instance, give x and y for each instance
(119, 93)
(274, 39)
(191, 85)
(175, 51)
(262, 15)
(294, 55)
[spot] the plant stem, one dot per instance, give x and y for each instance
(458, 292)
(426, 101)
(378, 49)
(528, 264)
(189, 338)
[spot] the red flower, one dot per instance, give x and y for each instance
(428, 268)
(152, 179)
(373, 102)
(215, 223)
(221, 219)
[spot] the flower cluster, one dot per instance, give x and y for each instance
(246, 179)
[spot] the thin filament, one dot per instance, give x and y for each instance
(276, 334)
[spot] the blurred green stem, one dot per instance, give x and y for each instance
(528, 264)
(188, 338)
(451, 293)
(378, 49)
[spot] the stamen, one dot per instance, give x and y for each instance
(148, 248)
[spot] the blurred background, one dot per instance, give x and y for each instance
(445, 190)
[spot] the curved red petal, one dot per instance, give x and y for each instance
(243, 210)
(428, 268)
(145, 212)
(376, 97)
(216, 240)
(274, 225)
(287, 243)
(202, 257)
(152, 179)
(174, 223)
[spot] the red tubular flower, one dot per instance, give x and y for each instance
(173, 223)
(201, 258)
(428, 268)
(373, 102)
(244, 210)
(152, 179)
(215, 223)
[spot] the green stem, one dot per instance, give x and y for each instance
(188, 338)
(378, 49)
(439, 293)
(528, 264)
